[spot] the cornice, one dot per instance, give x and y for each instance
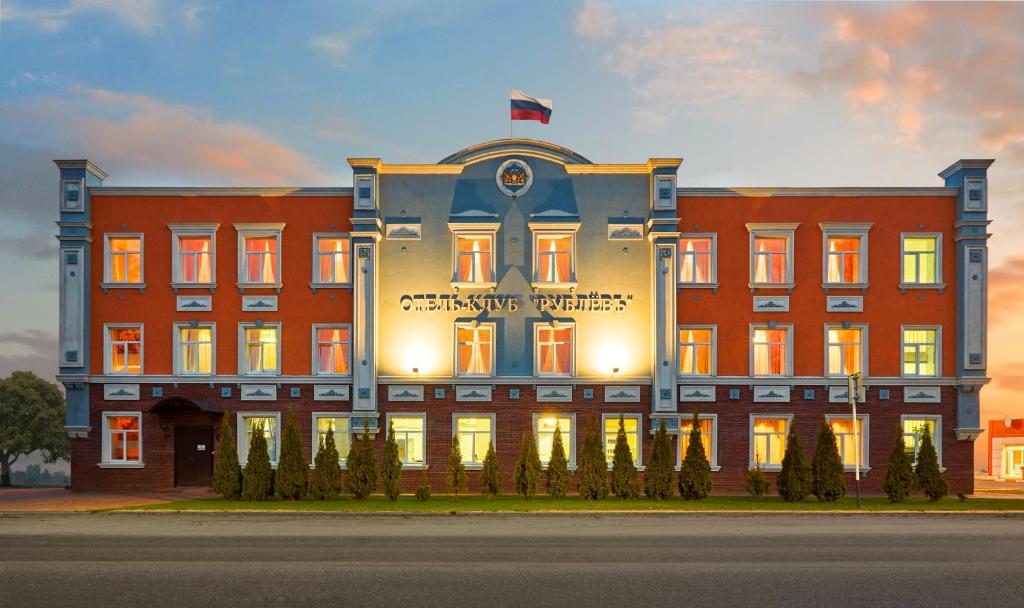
(815, 191)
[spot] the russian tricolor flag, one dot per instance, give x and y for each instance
(525, 107)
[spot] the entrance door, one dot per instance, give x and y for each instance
(193, 455)
(1014, 462)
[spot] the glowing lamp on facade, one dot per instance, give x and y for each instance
(609, 359)
(416, 359)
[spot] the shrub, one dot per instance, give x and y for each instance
(361, 468)
(624, 485)
(326, 482)
(227, 475)
(795, 477)
(456, 474)
(757, 481)
(258, 476)
(423, 490)
(899, 472)
(828, 475)
(292, 475)
(352, 464)
(528, 468)
(695, 474)
(658, 476)
(490, 475)
(557, 479)
(391, 466)
(593, 469)
(929, 477)
(369, 464)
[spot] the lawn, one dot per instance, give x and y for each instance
(466, 504)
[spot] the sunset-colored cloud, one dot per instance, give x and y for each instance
(1006, 291)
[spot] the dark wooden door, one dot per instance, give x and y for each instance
(193, 455)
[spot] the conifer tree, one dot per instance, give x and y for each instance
(757, 481)
(369, 463)
(534, 469)
(695, 474)
(423, 490)
(557, 477)
(292, 475)
(519, 472)
(361, 467)
(391, 466)
(899, 472)
(227, 475)
(456, 473)
(353, 464)
(326, 482)
(490, 475)
(828, 475)
(929, 477)
(258, 476)
(593, 469)
(795, 477)
(658, 475)
(624, 485)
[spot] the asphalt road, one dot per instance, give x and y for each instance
(332, 560)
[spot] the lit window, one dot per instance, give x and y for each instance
(410, 436)
(553, 259)
(195, 350)
(770, 351)
(260, 350)
(124, 259)
(920, 351)
(631, 425)
(845, 351)
(842, 428)
(697, 260)
(259, 259)
(770, 260)
(696, 347)
(545, 426)
(249, 423)
(921, 260)
(914, 428)
(707, 437)
(339, 425)
(473, 259)
(124, 350)
(475, 349)
(194, 260)
(333, 259)
(554, 350)
(844, 259)
(332, 350)
(768, 440)
(122, 438)
(475, 434)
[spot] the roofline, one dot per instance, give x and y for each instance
(817, 191)
(468, 156)
(218, 191)
(81, 163)
(966, 163)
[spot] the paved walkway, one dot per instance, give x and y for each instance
(60, 499)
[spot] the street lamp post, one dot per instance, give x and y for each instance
(856, 386)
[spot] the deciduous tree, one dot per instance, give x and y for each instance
(31, 418)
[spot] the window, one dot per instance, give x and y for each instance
(124, 349)
(554, 350)
(844, 350)
(248, 423)
(771, 254)
(322, 423)
(474, 259)
(474, 349)
(259, 254)
(922, 259)
(122, 438)
(553, 258)
(771, 351)
(259, 349)
(409, 432)
(921, 351)
(696, 351)
(768, 440)
(124, 259)
(914, 428)
(193, 253)
(545, 425)
(72, 194)
(194, 349)
(332, 259)
(631, 425)
(331, 350)
(475, 433)
(697, 263)
(842, 428)
(846, 254)
(708, 438)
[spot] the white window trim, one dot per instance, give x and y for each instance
(474, 466)
(784, 230)
(240, 436)
(863, 327)
(242, 326)
(455, 361)
(108, 283)
(316, 350)
(489, 231)
(408, 466)
(105, 461)
(938, 350)
(570, 455)
(536, 349)
(750, 439)
(80, 206)
(849, 230)
(316, 283)
(865, 442)
(714, 350)
(685, 422)
(108, 360)
(713, 283)
(789, 349)
(192, 230)
(638, 458)
(541, 230)
(176, 341)
(938, 284)
(259, 231)
(937, 440)
(315, 445)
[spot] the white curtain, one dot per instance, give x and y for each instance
(267, 266)
(835, 270)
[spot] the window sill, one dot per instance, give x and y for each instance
(714, 468)
(341, 465)
(939, 287)
(123, 374)
(774, 468)
(108, 286)
(863, 287)
(852, 470)
(539, 285)
(121, 465)
(347, 376)
(486, 285)
(314, 286)
(176, 286)
(639, 468)
(473, 467)
(711, 286)
(415, 467)
(787, 286)
(243, 286)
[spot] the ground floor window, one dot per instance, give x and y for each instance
(842, 428)
(475, 432)
(631, 425)
(1013, 461)
(339, 425)
(411, 436)
(708, 437)
(544, 426)
(768, 439)
(248, 422)
(914, 428)
(122, 438)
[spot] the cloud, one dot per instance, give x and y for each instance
(1006, 291)
(337, 46)
(140, 15)
(594, 20)
(31, 349)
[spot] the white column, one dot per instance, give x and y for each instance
(665, 366)
(364, 360)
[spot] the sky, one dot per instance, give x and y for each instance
(219, 92)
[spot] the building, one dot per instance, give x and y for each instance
(516, 285)
(1006, 448)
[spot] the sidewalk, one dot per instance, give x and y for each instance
(60, 499)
